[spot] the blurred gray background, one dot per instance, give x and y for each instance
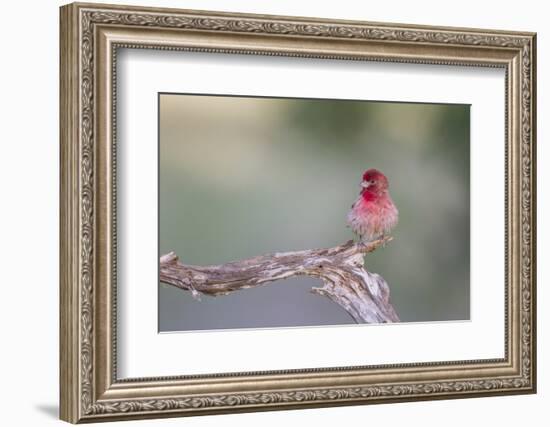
(241, 177)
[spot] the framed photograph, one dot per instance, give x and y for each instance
(266, 212)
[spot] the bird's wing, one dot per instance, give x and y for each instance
(350, 213)
(354, 204)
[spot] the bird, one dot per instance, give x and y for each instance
(373, 214)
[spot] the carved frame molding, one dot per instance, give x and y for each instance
(90, 37)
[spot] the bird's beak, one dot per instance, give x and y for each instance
(365, 184)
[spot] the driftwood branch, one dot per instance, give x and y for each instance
(364, 295)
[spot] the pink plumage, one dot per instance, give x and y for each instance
(373, 214)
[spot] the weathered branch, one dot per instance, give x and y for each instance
(364, 295)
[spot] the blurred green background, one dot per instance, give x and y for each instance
(241, 177)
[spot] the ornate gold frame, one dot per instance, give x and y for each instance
(90, 36)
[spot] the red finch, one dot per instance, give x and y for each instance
(373, 214)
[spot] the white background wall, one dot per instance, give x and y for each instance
(29, 170)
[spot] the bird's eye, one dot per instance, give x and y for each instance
(371, 181)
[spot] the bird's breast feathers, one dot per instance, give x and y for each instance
(372, 218)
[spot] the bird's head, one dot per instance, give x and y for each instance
(374, 181)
